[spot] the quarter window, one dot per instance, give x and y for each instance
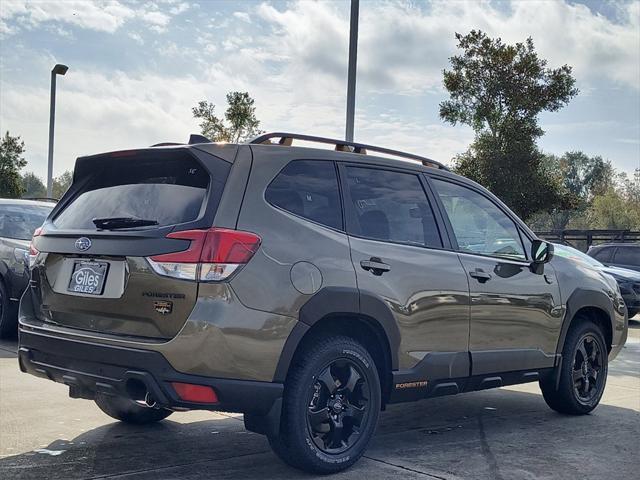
(308, 188)
(478, 224)
(391, 206)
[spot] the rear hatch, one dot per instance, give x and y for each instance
(91, 267)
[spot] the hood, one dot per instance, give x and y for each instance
(622, 274)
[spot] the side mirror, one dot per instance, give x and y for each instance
(541, 253)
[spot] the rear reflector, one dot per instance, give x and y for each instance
(190, 392)
(213, 255)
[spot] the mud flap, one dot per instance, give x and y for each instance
(268, 424)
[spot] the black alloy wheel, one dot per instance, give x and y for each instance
(338, 406)
(587, 365)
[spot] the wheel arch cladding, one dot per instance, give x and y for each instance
(361, 316)
(594, 305)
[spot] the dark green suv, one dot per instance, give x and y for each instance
(307, 288)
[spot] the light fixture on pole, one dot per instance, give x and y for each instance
(351, 79)
(59, 69)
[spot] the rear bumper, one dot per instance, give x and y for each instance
(90, 368)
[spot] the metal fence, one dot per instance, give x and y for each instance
(583, 239)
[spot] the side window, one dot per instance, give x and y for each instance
(391, 206)
(308, 188)
(478, 224)
(603, 254)
(627, 255)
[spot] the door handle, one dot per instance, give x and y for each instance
(480, 275)
(375, 266)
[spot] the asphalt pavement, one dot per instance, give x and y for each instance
(503, 434)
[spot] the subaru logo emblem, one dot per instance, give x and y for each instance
(83, 243)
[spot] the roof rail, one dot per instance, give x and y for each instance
(286, 139)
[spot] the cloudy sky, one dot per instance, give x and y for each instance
(137, 68)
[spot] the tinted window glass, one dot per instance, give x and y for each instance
(20, 221)
(391, 206)
(169, 191)
(308, 188)
(627, 255)
(603, 254)
(478, 224)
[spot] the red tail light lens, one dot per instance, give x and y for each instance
(33, 251)
(212, 256)
(190, 392)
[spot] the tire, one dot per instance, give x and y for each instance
(580, 387)
(128, 411)
(310, 436)
(8, 314)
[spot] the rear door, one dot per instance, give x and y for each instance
(94, 275)
(400, 256)
(516, 314)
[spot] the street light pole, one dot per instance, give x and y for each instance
(351, 80)
(59, 69)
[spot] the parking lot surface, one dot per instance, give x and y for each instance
(503, 434)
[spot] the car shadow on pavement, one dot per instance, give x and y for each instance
(499, 434)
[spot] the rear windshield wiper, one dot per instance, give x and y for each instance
(114, 223)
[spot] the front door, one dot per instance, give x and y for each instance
(515, 313)
(397, 252)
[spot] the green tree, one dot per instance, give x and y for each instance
(239, 124)
(500, 90)
(582, 179)
(612, 210)
(62, 183)
(11, 161)
(33, 186)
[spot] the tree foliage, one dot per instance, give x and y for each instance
(33, 187)
(11, 161)
(499, 90)
(581, 178)
(239, 123)
(61, 184)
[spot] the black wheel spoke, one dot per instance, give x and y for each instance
(576, 375)
(337, 433)
(355, 414)
(319, 419)
(583, 351)
(351, 382)
(328, 381)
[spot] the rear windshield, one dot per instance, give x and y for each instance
(20, 221)
(168, 191)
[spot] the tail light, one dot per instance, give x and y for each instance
(33, 251)
(213, 255)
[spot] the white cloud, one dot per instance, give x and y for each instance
(294, 65)
(103, 15)
(403, 48)
(244, 16)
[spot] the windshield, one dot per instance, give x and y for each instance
(574, 254)
(19, 221)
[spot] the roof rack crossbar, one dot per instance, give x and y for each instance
(343, 146)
